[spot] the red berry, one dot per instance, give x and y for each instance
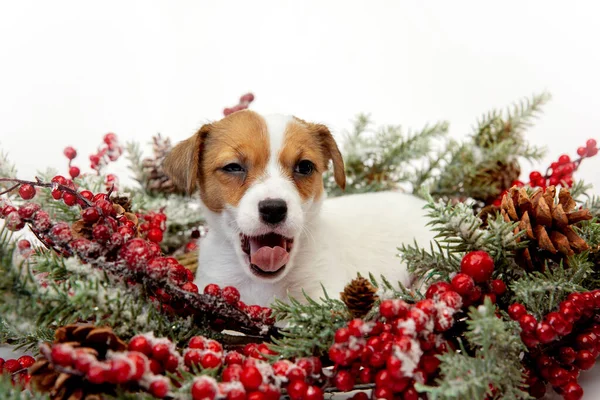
(210, 360)
(254, 312)
(535, 176)
(393, 308)
(344, 381)
(204, 388)
(572, 391)
(136, 253)
(296, 374)
(383, 378)
(411, 394)
(70, 152)
(592, 152)
(251, 378)
(171, 363)
(197, 342)
(62, 355)
(582, 151)
(564, 159)
(585, 359)
(155, 367)
(140, 344)
(27, 191)
(12, 366)
(558, 323)
(83, 361)
(212, 290)
(528, 323)
(342, 335)
(498, 287)
(61, 180)
(192, 357)
(140, 365)
(360, 396)
(119, 372)
(26, 361)
(567, 355)
(297, 390)
(590, 144)
(155, 235)
(437, 289)
(313, 393)
(463, 284)
(545, 333)
(161, 351)
(452, 299)
(56, 194)
(90, 215)
(110, 138)
(101, 233)
(587, 341)
(159, 388)
(69, 199)
(236, 394)
(23, 245)
(478, 265)
(74, 172)
(516, 311)
(384, 393)
(96, 374)
(557, 376)
(230, 294)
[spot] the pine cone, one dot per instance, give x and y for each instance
(359, 296)
(547, 224)
(156, 179)
(66, 386)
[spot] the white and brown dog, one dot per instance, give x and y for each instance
(270, 231)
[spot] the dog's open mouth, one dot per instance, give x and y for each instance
(268, 254)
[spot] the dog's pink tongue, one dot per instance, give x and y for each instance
(269, 259)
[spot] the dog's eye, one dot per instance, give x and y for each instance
(233, 168)
(304, 167)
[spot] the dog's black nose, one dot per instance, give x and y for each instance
(272, 211)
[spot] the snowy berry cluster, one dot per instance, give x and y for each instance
(17, 369)
(232, 296)
(110, 150)
(127, 245)
(397, 350)
(117, 367)
(248, 377)
(243, 104)
(474, 282)
(572, 336)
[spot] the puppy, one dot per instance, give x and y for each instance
(271, 233)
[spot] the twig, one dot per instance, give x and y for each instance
(51, 185)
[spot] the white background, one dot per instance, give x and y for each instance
(72, 71)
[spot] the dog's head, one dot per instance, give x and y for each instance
(261, 182)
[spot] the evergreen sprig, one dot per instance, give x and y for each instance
(310, 327)
(542, 292)
(436, 264)
(494, 368)
(382, 159)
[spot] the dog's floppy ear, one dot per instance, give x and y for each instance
(332, 151)
(182, 164)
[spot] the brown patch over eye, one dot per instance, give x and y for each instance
(301, 152)
(238, 141)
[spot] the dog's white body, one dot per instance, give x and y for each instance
(352, 234)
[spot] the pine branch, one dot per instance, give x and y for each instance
(542, 292)
(380, 160)
(495, 364)
(135, 156)
(310, 327)
(460, 230)
(437, 264)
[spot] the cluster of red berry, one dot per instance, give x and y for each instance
(473, 282)
(560, 172)
(108, 151)
(115, 240)
(232, 296)
(17, 369)
(117, 367)
(243, 104)
(398, 349)
(572, 337)
(248, 376)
